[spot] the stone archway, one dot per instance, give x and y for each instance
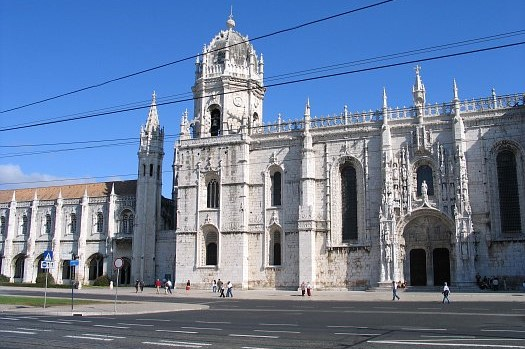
(427, 246)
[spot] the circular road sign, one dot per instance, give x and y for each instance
(118, 263)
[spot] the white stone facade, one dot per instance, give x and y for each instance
(396, 194)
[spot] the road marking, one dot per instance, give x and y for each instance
(109, 326)
(201, 328)
(358, 334)
(131, 324)
(175, 331)
(81, 321)
(178, 344)
(447, 344)
(254, 348)
(18, 332)
(89, 337)
(9, 318)
(344, 326)
(182, 342)
(159, 320)
(56, 322)
(33, 329)
(213, 322)
(102, 335)
(422, 329)
(451, 337)
(275, 331)
(252, 336)
(518, 331)
(278, 325)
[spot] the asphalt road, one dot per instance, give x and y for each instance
(272, 324)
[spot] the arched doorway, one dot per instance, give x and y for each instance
(418, 267)
(441, 264)
(125, 272)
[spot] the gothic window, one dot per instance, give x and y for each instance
(212, 200)
(96, 267)
(24, 225)
(126, 222)
(255, 118)
(215, 122)
(48, 224)
(349, 202)
(100, 222)
(509, 203)
(275, 245)
(66, 270)
(424, 173)
(151, 170)
(211, 248)
(19, 267)
(73, 224)
(158, 171)
(3, 228)
(221, 56)
(144, 170)
(276, 189)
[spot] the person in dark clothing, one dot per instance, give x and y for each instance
(220, 288)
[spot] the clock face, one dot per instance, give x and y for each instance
(237, 101)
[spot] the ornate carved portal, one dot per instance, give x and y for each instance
(428, 251)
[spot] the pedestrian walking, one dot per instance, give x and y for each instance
(137, 286)
(214, 286)
(308, 289)
(394, 291)
(168, 286)
(157, 285)
(141, 285)
(303, 288)
(446, 292)
(220, 288)
(229, 286)
(188, 286)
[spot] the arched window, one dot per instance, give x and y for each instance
(275, 244)
(100, 222)
(66, 270)
(73, 224)
(3, 225)
(48, 224)
(509, 201)
(212, 194)
(19, 267)
(349, 201)
(424, 173)
(126, 226)
(211, 248)
(151, 170)
(24, 225)
(96, 267)
(276, 189)
(215, 122)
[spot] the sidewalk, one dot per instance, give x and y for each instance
(198, 299)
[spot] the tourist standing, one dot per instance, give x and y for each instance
(157, 285)
(229, 293)
(137, 286)
(303, 288)
(188, 285)
(308, 289)
(214, 286)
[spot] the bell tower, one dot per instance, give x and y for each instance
(228, 89)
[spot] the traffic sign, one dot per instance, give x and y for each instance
(118, 263)
(48, 255)
(47, 265)
(73, 263)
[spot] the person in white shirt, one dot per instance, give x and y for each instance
(446, 292)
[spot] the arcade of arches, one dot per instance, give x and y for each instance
(427, 251)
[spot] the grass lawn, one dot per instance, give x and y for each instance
(39, 301)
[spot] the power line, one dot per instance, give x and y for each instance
(281, 31)
(332, 67)
(391, 65)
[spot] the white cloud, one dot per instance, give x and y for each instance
(12, 177)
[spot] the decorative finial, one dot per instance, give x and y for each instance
(154, 100)
(384, 98)
(230, 23)
(455, 91)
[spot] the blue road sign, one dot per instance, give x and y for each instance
(73, 263)
(48, 256)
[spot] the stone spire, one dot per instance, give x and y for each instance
(385, 107)
(419, 93)
(152, 124)
(230, 23)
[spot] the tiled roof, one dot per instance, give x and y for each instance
(72, 191)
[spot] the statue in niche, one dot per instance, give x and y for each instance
(424, 192)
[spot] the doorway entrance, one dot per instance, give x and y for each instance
(441, 264)
(418, 267)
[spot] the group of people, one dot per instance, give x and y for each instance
(306, 287)
(166, 284)
(139, 285)
(217, 286)
(486, 283)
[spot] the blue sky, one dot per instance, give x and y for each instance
(54, 47)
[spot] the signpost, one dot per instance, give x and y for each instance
(46, 264)
(118, 263)
(72, 263)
